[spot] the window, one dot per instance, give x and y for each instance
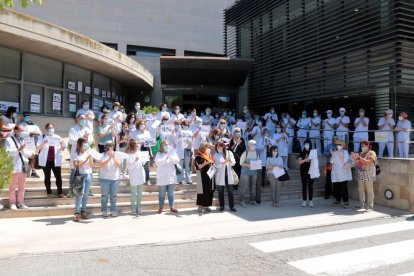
(9, 93)
(9, 63)
(111, 45)
(42, 70)
(200, 54)
(143, 51)
(33, 104)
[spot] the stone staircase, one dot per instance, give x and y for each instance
(185, 196)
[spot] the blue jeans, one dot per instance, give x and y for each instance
(161, 195)
(136, 197)
(147, 174)
(185, 167)
(108, 187)
(83, 199)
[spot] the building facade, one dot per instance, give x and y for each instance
(325, 54)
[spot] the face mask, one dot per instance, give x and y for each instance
(14, 115)
(329, 115)
(201, 114)
(287, 116)
(116, 108)
(272, 111)
(137, 107)
(339, 147)
(85, 146)
(177, 127)
(27, 118)
(230, 113)
(207, 113)
(185, 115)
(122, 111)
(266, 135)
(132, 121)
(164, 109)
(260, 123)
(217, 116)
(107, 122)
(166, 148)
(220, 150)
(217, 137)
(224, 114)
(86, 106)
(125, 129)
(82, 122)
(23, 135)
(361, 114)
(238, 134)
(278, 130)
(141, 127)
(185, 127)
(315, 114)
(51, 131)
(222, 126)
(400, 118)
(274, 153)
(164, 122)
(245, 111)
(364, 149)
(342, 113)
(252, 148)
(177, 111)
(307, 146)
(303, 116)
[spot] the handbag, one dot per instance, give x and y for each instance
(284, 177)
(235, 177)
(77, 184)
(36, 162)
(377, 169)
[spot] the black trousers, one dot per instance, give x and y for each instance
(307, 184)
(50, 166)
(328, 184)
(340, 190)
(260, 182)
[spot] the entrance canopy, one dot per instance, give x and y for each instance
(216, 71)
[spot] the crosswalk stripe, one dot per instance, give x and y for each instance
(330, 237)
(407, 274)
(358, 260)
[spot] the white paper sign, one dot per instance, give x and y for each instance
(55, 142)
(35, 108)
(226, 140)
(35, 98)
(268, 141)
(149, 142)
(71, 85)
(96, 91)
(103, 94)
(72, 98)
(211, 172)
(381, 137)
(72, 108)
(147, 117)
(57, 97)
(80, 86)
(143, 156)
(255, 165)
(166, 129)
(278, 171)
(186, 133)
(242, 125)
(156, 124)
(29, 144)
(87, 89)
(95, 101)
(4, 105)
(56, 106)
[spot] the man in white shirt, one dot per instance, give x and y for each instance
(387, 124)
(271, 121)
(138, 112)
(208, 118)
(177, 116)
(16, 149)
(361, 129)
(88, 113)
(34, 133)
(315, 131)
(116, 116)
(329, 125)
(342, 123)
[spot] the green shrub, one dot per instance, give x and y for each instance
(149, 109)
(6, 167)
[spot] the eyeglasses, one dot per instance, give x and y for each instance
(109, 146)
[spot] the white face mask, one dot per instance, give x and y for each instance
(307, 146)
(116, 108)
(141, 127)
(224, 114)
(364, 149)
(342, 113)
(339, 147)
(260, 123)
(361, 114)
(400, 118)
(329, 115)
(315, 114)
(208, 113)
(86, 106)
(137, 107)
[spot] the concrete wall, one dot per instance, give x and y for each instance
(195, 25)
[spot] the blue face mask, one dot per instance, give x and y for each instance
(85, 146)
(51, 131)
(274, 153)
(23, 135)
(220, 150)
(27, 118)
(82, 122)
(252, 148)
(307, 146)
(166, 148)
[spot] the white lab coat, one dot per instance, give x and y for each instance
(89, 122)
(12, 151)
(303, 126)
(220, 175)
(135, 170)
(390, 134)
(45, 149)
(166, 167)
(404, 135)
(314, 164)
(338, 172)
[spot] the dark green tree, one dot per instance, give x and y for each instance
(23, 3)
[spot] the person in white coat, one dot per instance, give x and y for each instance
(271, 121)
(303, 125)
(223, 162)
(329, 125)
(50, 158)
(315, 131)
(387, 124)
(136, 174)
(361, 129)
(342, 123)
(88, 113)
(166, 159)
(16, 149)
(403, 135)
(340, 175)
(289, 124)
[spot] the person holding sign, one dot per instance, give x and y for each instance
(275, 168)
(307, 182)
(205, 187)
(106, 132)
(224, 161)
(166, 159)
(142, 135)
(136, 175)
(166, 130)
(282, 142)
(183, 141)
(248, 177)
(50, 158)
(34, 133)
(84, 163)
(387, 124)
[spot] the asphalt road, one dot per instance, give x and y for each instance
(237, 256)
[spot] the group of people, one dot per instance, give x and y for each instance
(227, 152)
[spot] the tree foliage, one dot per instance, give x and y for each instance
(23, 3)
(6, 167)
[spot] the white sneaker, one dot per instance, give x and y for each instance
(242, 204)
(148, 182)
(104, 214)
(23, 206)
(13, 207)
(311, 204)
(114, 214)
(1, 206)
(303, 203)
